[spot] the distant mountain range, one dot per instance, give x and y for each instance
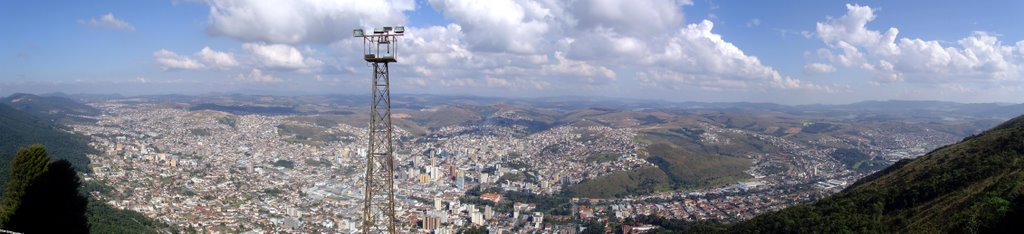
(996, 110)
(974, 186)
(411, 101)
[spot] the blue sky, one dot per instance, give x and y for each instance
(793, 52)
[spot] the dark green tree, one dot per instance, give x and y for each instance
(25, 168)
(47, 198)
(474, 230)
(593, 226)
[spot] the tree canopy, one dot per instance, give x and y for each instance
(42, 196)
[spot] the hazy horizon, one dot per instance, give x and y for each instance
(526, 98)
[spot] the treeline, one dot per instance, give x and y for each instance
(667, 225)
(20, 129)
(46, 196)
(106, 219)
(557, 204)
(42, 196)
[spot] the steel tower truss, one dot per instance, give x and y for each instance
(379, 196)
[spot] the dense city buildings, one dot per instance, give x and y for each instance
(256, 173)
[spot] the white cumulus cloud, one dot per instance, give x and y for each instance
(540, 44)
(651, 17)
(217, 59)
(108, 21)
(257, 75)
(205, 58)
(281, 56)
(980, 56)
(698, 56)
(591, 74)
(584, 42)
(436, 46)
(499, 25)
(169, 61)
(301, 21)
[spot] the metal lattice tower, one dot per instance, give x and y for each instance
(380, 49)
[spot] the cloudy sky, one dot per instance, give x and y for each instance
(793, 52)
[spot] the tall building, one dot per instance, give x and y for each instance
(431, 222)
(476, 218)
(488, 212)
(453, 171)
(460, 182)
(424, 178)
(438, 204)
(538, 219)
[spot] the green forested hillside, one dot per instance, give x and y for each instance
(969, 187)
(42, 196)
(106, 219)
(20, 129)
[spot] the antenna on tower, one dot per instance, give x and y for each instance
(379, 49)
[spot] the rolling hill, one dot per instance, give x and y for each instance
(52, 108)
(675, 169)
(969, 187)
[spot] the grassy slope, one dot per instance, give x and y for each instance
(676, 168)
(683, 161)
(644, 180)
(972, 186)
(697, 169)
